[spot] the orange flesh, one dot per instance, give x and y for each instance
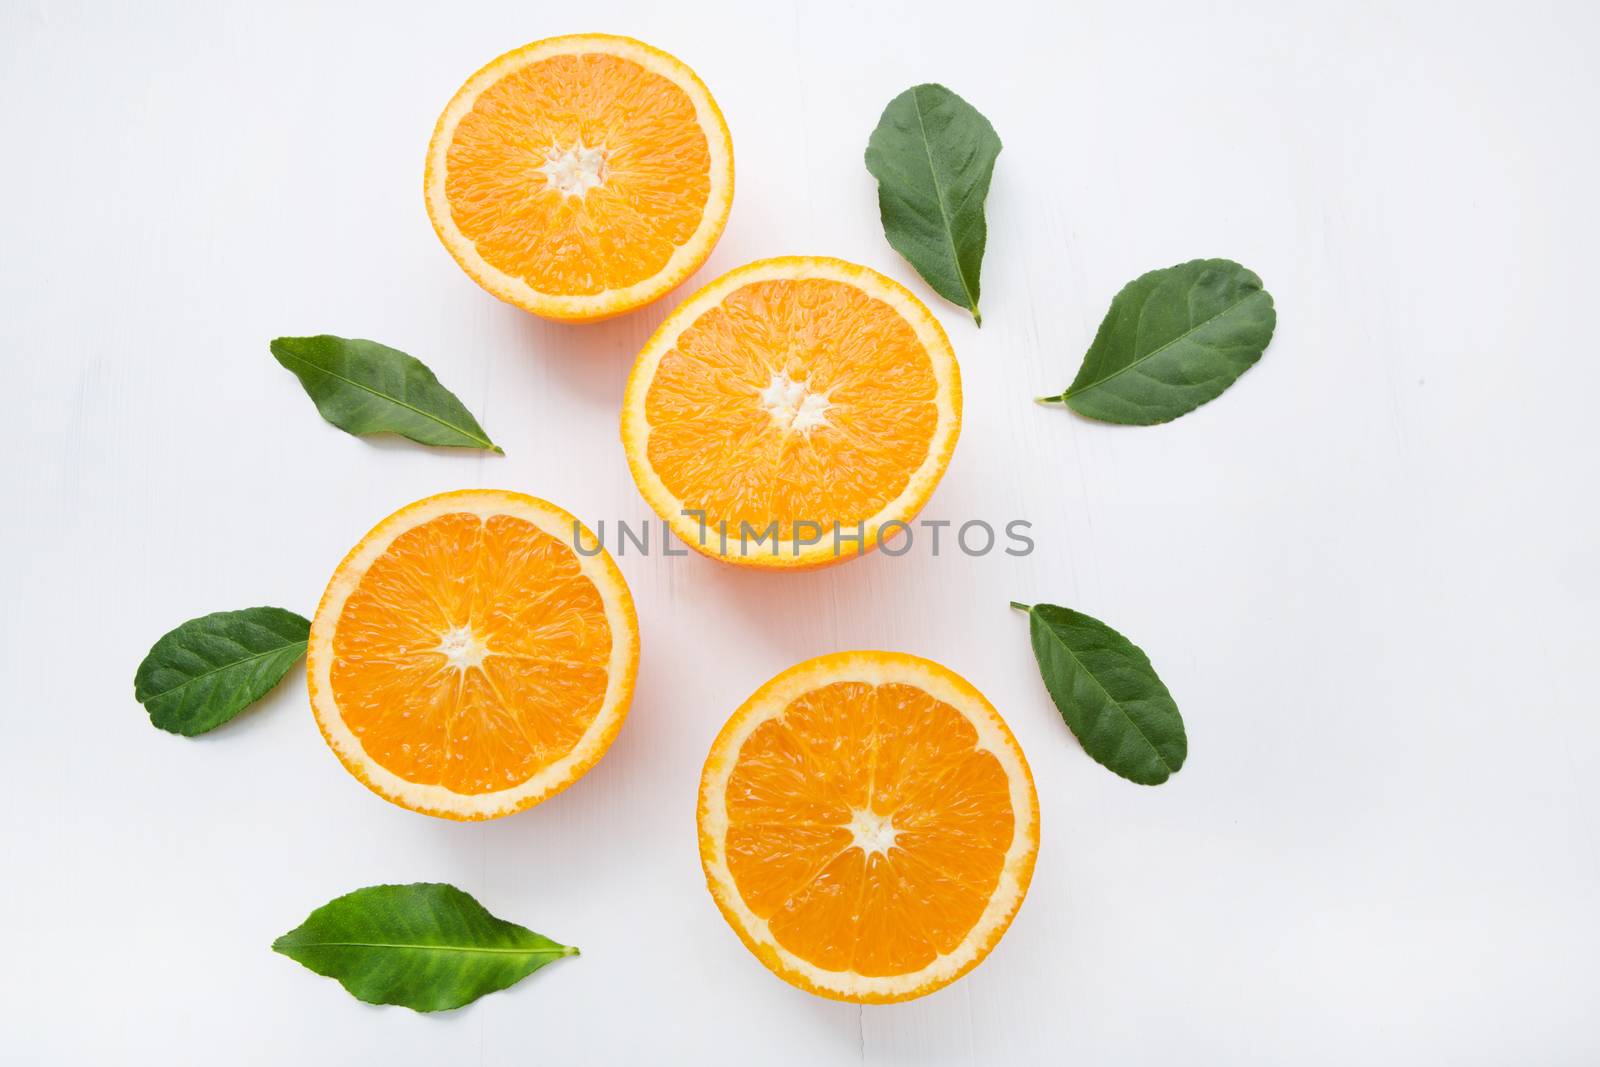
(893, 751)
(656, 176)
(488, 726)
(715, 446)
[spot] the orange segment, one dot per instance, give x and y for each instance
(465, 661)
(868, 825)
(792, 392)
(579, 177)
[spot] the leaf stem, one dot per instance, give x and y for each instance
(1020, 607)
(1060, 398)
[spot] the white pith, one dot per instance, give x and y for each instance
(436, 799)
(576, 170)
(792, 406)
(871, 832)
(871, 668)
(636, 423)
(461, 648)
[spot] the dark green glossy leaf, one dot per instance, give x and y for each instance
(1173, 339)
(1108, 693)
(363, 387)
(205, 672)
(933, 155)
(426, 946)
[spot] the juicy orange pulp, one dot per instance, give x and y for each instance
(472, 654)
(579, 173)
(792, 399)
(866, 828)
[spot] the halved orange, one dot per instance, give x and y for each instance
(868, 825)
(580, 177)
(466, 662)
(793, 413)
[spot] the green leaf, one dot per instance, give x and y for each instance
(1173, 339)
(933, 154)
(1108, 693)
(208, 670)
(427, 946)
(363, 387)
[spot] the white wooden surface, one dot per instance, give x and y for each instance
(1368, 572)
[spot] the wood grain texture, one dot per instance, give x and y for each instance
(1368, 571)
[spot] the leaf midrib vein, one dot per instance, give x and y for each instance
(938, 190)
(560, 951)
(396, 401)
(1075, 391)
(248, 660)
(1113, 701)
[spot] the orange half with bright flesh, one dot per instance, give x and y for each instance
(466, 662)
(793, 413)
(868, 825)
(580, 177)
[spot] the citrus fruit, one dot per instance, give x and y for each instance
(465, 662)
(794, 412)
(868, 825)
(580, 177)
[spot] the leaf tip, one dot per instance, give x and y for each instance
(1160, 778)
(282, 347)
